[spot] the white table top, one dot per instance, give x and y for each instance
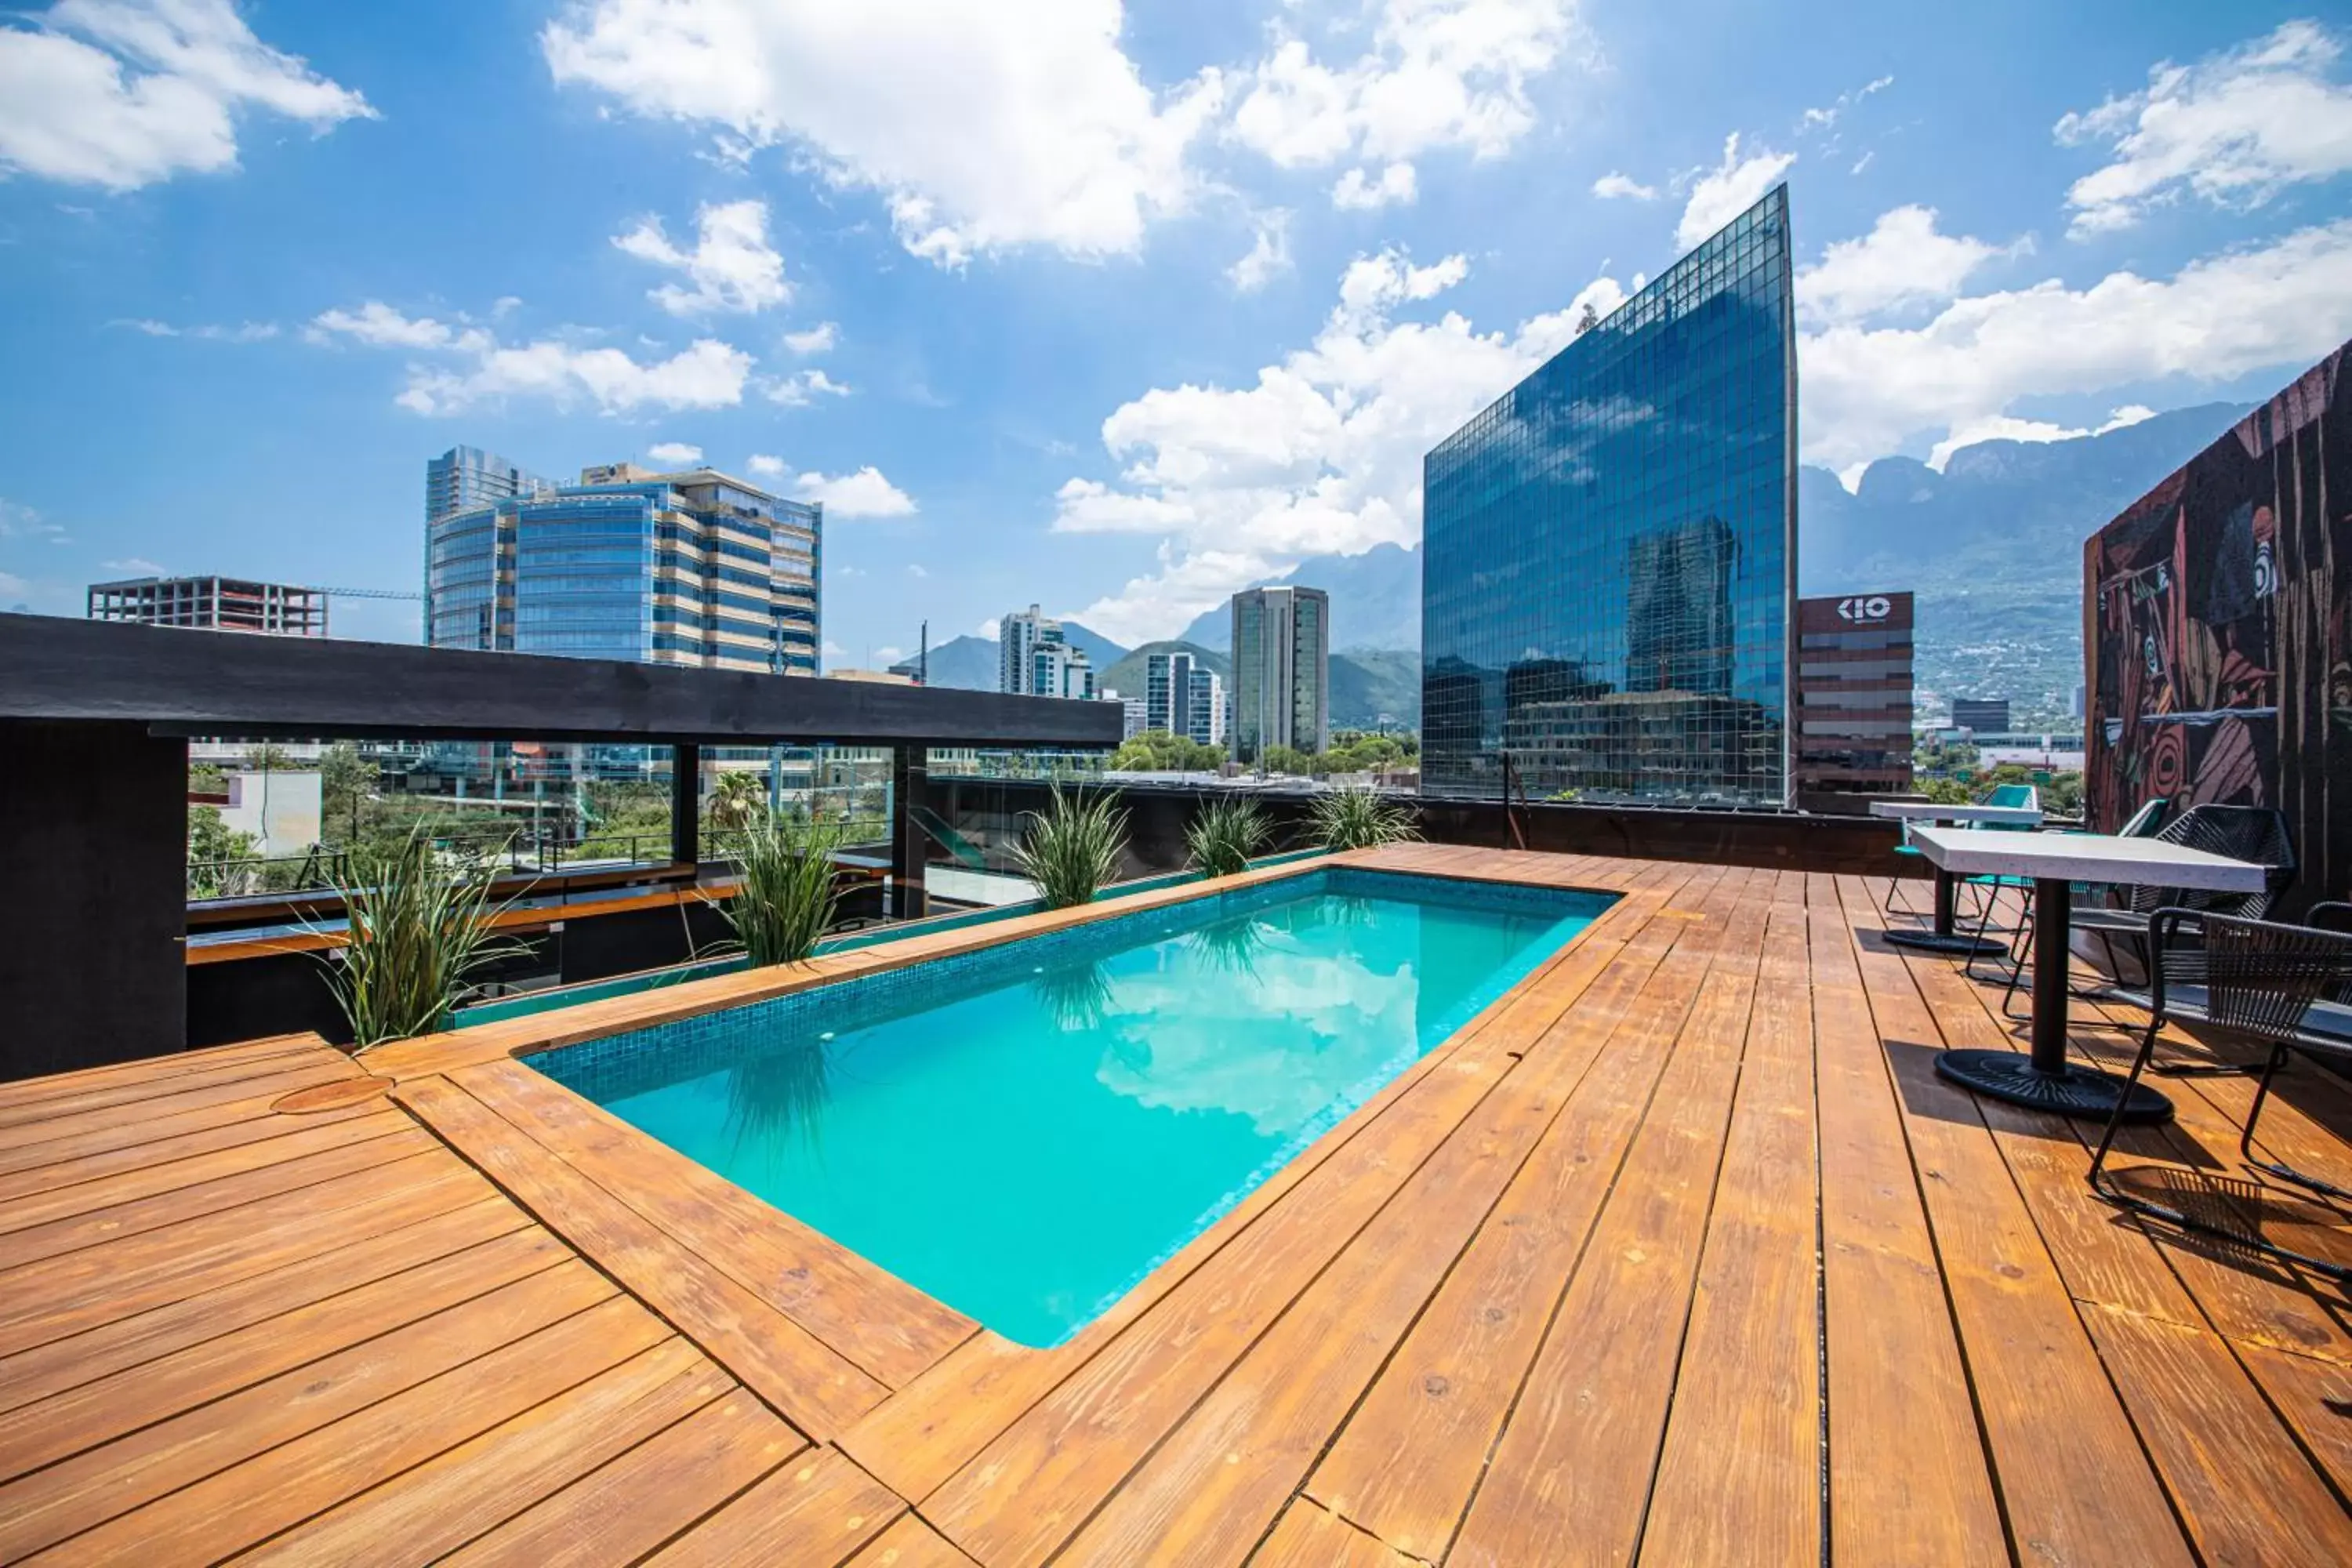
(1928, 811)
(2086, 857)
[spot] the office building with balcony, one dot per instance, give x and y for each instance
(1035, 658)
(1282, 670)
(1853, 699)
(212, 604)
(464, 477)
(1610, 550)
(1184, 696)
(695, 567)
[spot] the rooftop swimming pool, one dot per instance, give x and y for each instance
(1026, 1130)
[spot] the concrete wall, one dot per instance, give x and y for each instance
(93, 837)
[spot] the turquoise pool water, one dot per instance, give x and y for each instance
(1026, 1130)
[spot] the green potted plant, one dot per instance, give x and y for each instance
(1359, 819)
(1073, 848)
(420, 931)
(787, 893)
(1225, 834)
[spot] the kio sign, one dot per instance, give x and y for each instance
(1864, 608)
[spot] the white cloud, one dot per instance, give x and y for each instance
(816, 340)
(1866, 391)
(732, 267)
(1903, 260)
(865, 493)
(982, 126)
(766, 467)
(1613, 185)
(2122, 418)
(707, 374)
(1823, 119)
(133, 566)
(1723, 193)
(1997, 427)
(888, 654)
(1269, 253)
(210, 332)
(2232, 130)
(802, 387)
(681, 453)
(1354, 193)
(1439, 74)
(124, 93)
(1321, 454)
(378, 325)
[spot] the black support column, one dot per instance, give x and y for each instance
(909, 782)
(95, 838)
(685, 805)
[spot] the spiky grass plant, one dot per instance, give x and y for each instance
(1073, 847)
(1225, 834)
(421, 931)
(1359, 819)
(787, 894)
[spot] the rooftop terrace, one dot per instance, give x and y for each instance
(1680, 1254)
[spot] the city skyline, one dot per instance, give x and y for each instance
(1251, 334)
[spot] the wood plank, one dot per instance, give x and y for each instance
(145, 1069)
(1406, 1464)
(2073, 1482)
(1909, 1478)
(1308, 1537)
(888, 1329)
(646, 1495)
(422, 1514)
(224, 1438)
(61, 1178)
(131, 1342)
(1742, 1476)
(911, 1543)
(242, 1506)
(105, 1408)
(387, 1140)
(815, 1389)
(1571, 1472)
(818, 1508)
(79, 1290)
(942, 1421)
(2315, 1398)
(114, 1126)
(1050, 1466)
(16, 1118)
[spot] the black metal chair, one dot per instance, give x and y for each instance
(2251, 833)
(2258, 979)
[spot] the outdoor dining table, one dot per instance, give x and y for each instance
(1944, 937)
(2043, 1078)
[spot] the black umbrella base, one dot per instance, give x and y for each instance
(2070, 1092)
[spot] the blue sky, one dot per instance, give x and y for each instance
(1111, 310)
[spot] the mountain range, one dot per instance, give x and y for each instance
(1992, 545)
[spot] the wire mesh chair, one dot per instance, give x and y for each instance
(2255, 978)
(2252, 833)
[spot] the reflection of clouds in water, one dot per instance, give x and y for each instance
(1277, 1045)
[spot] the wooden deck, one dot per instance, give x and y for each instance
(1681, 1253)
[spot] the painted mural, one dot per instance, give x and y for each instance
(2218, 617)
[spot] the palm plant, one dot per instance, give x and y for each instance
(1225, 834)
(1359, 819)
(419, 933)
(737, 799)
(786, 896)
(1073, 847)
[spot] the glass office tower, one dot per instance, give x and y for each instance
(693, 567)
(1282, 670)
(1610, 550)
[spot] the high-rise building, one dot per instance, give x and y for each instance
(692, 567)
(1853, 699)
(1282, 670)
(1035, 658)
(1610, 550)
(212, 604)
(1184, 696)
(464, 477)
(1980, 715)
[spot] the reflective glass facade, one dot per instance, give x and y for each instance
(685, 568)
(1610, 550)
(1282, 670)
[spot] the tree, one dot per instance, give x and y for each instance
(216, 854)
(1289, 759)
(1160, 751)
(1587, 322)
(268, 757)
(737, 799)
(347, 782)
